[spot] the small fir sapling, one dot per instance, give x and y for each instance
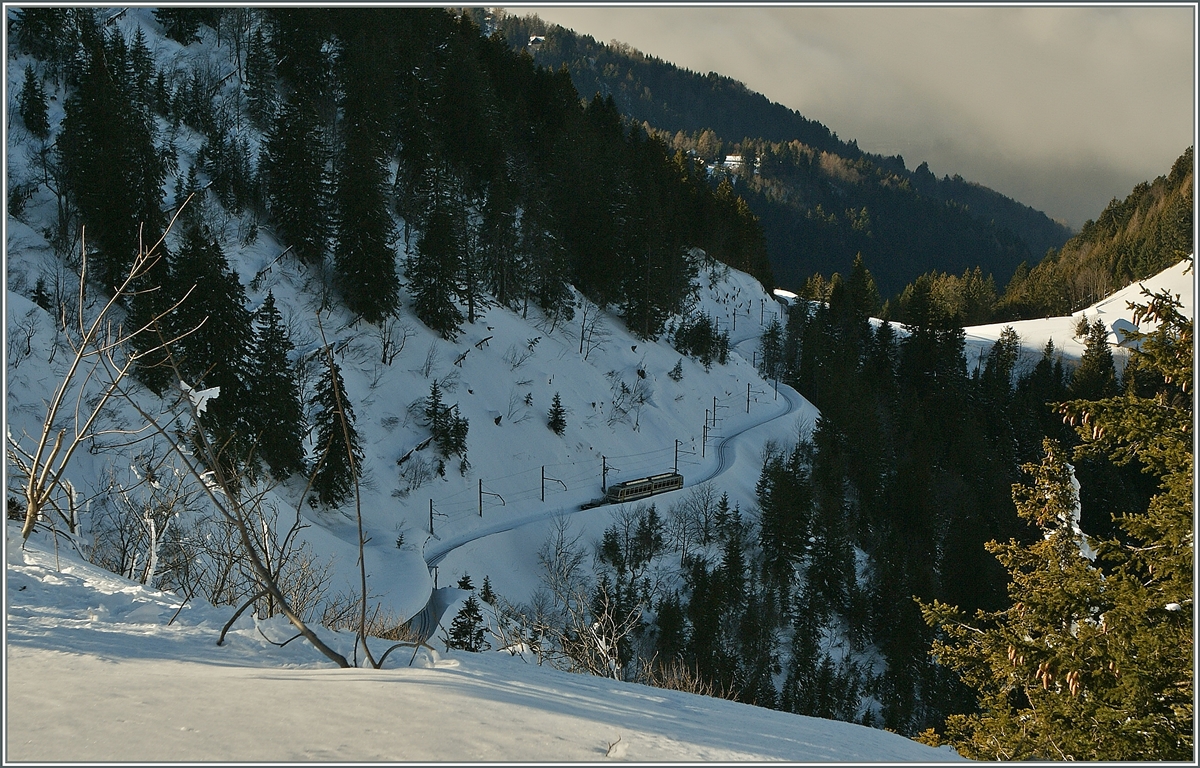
(676, 373)
(466, 631)
(558, 416)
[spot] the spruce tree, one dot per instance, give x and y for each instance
(215, 332)
(337, 449)
(31, 105)
(676, 373)
(466, 631)
(485, 592)
(558, 416)
(365, 263)
(432, 271)
(112, 169)
(1094, 659)
(296, 186)
(1096, 376)
(142, 72)
(276, 416)
(179, 24)
(260, 81)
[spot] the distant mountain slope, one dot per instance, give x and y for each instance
(714, 115)
(1134, 238)
(648, 89)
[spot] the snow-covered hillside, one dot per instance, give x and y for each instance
(623, 411)
(1114, 311)
(101, 669)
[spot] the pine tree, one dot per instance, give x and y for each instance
(31, 105)
(466, 631)
(365, 264)
(277, 415)
(112, 169)
(465, 582)
(338, 452)
(558, 416)
(432, 272)
(1093, 661)
(485, 592)
(297, 189)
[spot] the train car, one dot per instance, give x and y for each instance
(631, 490)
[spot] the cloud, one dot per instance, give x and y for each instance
(1062, 108)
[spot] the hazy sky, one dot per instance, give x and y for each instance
(1061, 108)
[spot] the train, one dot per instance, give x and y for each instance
(632, 490)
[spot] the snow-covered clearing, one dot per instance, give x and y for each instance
(1113, 311)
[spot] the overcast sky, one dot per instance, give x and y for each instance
(1061, 108)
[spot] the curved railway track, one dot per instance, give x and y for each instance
(436, 550)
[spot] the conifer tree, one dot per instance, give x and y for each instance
(337, 450)
(31, 105)
(770, 357)
(179, 24)
(276, 416)
(364, 261)
(485, 592)
(1096, 376)
(448, 427)
(1094, 660)
(142, 72)
(466, 631)
(676, 373)
(785, 499)
(432, 272)
(558, 416)
(296, 185)
(218, 332)
(260, 81)
(112, 169)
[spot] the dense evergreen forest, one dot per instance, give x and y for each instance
(509, 187)
(821, 200)
(391, 148)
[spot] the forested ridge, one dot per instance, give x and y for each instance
(821, 200)
(406, 158)
(1131, 239)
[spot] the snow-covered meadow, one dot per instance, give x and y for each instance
(101, 669)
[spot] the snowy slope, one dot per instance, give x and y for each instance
(1114, 311)
(495, 367)
(101, 669)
